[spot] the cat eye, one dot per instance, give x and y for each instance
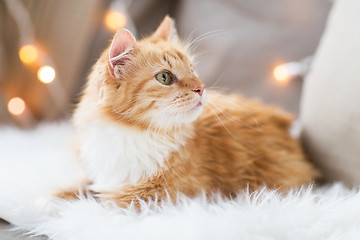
(164, 77)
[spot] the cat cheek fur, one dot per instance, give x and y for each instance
(181, 106)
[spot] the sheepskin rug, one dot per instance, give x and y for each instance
(32, 162)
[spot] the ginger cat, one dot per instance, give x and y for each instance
(146, 131)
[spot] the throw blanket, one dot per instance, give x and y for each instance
(32, 162)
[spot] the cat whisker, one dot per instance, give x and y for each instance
(215, 114)
(195, 42)
(216, 82)
(229, 117)
(188, 39)
(242, 141)
(199, 56)
(221, 88)
(179, 177)
(239, 104)
(233, 103)
(242, 108)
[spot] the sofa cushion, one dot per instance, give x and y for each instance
(330, 108)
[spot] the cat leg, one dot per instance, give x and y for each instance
(136, 195)
(49, 203)
(73, 191)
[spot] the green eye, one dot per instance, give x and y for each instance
(164, 77)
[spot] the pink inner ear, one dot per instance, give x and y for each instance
(121, 46)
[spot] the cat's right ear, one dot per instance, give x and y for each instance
(166, 30)
(122, 46)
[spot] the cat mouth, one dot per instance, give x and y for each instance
(199, 104)
(192, 113)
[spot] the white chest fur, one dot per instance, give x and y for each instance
(116, 155)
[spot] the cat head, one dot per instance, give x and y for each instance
(151, 81)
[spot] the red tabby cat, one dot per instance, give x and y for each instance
(146, 130)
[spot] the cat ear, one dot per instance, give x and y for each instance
(166, 30)
(122, 46)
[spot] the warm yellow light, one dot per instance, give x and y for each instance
(115, 20)
(16, 106)
(28, 54)
(46, 74)
(281, 73)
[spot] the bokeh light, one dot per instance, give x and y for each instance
(281, 73)
(115, 20)
(16, 106)
(28, 54)
(46, 74)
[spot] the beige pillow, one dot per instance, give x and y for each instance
(330, 109)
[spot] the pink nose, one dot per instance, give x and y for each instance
(199, 89)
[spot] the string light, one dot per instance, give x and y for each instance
(287, 71)
(281, 73)
(28, 54)
(115, 20)
(34, 56)
(16, 106)
(46, 74)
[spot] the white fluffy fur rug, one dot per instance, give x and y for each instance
(34, 161)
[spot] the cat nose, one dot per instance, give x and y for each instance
(199, 89)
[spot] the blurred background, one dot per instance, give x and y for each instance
(259, 48)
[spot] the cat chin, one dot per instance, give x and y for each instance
(182, 117)
(190, 115)
(193, 114)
